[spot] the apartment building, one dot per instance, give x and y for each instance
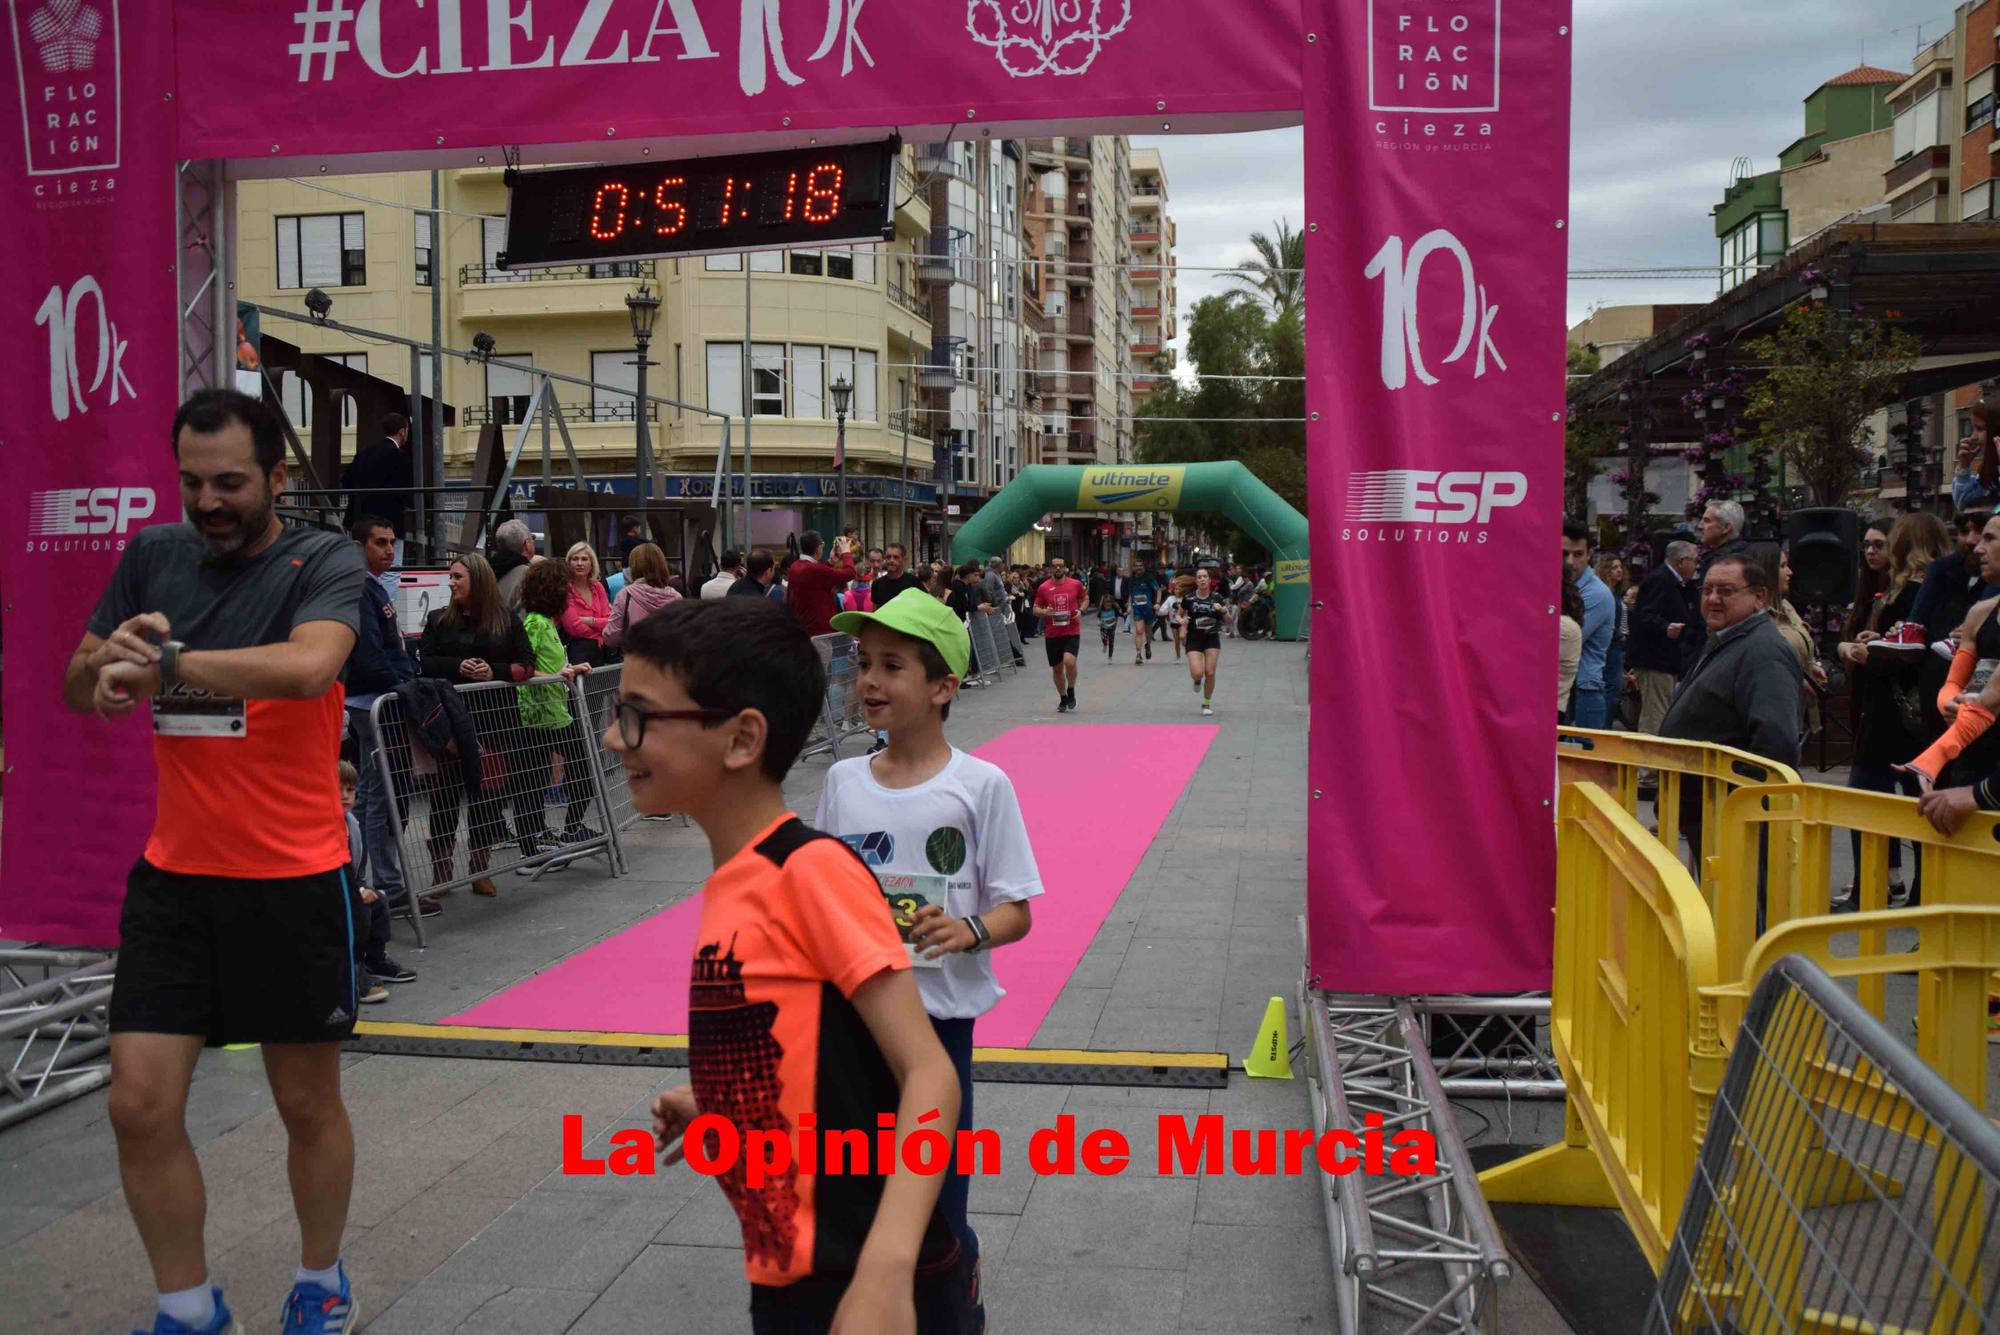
(1155, 289)
(813, 317)
(996, 329)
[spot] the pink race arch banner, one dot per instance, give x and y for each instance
(1437, 135)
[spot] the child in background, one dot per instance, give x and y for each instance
(801, 1001)
(1107, 623)
(371, 911)
(943, 831)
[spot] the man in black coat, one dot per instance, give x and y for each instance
(1656, 649)
(1744, 690)
(379, 480)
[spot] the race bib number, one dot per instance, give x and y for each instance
(1204, 623)
(184, 712)
(907, 894)
(1060, 616)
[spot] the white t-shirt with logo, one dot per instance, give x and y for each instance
(963, 824)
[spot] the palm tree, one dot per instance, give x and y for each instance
(1279, 271)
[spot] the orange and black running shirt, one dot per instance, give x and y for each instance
(790, 928)
(249, 789)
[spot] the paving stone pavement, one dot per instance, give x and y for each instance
(462, 1221)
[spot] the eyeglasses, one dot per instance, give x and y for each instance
(1875, 546)
(1722, 591)
(632, 720)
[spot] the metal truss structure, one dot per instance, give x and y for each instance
(202, 220)
(1491, 1047)
(53, 1025)
(1410, 1254)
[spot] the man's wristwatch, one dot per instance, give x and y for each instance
(981, 935)
(170, 663)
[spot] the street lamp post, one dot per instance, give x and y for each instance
(843, 394)
(644, 308)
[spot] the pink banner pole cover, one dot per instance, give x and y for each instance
(637, 981)
(1437, 140)
(87, 298)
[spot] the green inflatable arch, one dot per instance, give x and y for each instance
(1227, 487)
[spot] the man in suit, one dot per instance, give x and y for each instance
(379, 479)
(1657, 651)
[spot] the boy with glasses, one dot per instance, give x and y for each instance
(801, 1002)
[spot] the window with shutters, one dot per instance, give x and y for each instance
(1979, 100)
(425, 252)
(322, 250)
(510, 386)
(767, 379)
(492, 244)
(611, 372)
(725, 378)
(864, 386)
(1977, 203)
(809, 381)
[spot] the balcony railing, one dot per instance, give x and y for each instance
(512, 409)
(558, 273)
(910, 301)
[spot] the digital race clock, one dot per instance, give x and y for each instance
(749, 201)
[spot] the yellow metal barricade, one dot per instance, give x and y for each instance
(1634, 948)
(1645, 1006)
(1806, 820)
(1695, 779)
(1957, 950)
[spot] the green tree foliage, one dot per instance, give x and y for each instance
(1256, 422)
(1585, 440)
(1278, 274)
(1828, 372)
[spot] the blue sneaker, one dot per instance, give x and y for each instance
(222, 1323)
(313, 1310)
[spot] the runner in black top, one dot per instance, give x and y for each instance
(1202, 613)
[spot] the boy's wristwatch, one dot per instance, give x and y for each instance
(170, 663)
(981, 936)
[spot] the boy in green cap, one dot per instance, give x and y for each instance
(942, 830)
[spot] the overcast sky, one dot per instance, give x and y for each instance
(1667, 93)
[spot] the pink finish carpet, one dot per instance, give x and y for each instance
(1130, 776)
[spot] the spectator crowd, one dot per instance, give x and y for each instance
(1712, 645)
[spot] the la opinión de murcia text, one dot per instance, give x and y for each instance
(714, 1146)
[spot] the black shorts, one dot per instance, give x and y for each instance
(1198, 640)
(1059, 645)
(945, 1302)
(235, 961)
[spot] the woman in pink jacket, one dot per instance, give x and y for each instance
(589, 610)
(646, 591)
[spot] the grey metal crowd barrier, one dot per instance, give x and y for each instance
(988, 661)
(454, 822)
(1843, 1184)
(841, 715)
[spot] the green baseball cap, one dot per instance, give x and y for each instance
(921, 617)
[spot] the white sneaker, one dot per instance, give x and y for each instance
(1206, 711)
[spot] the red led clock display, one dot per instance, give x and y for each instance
(756, 201)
